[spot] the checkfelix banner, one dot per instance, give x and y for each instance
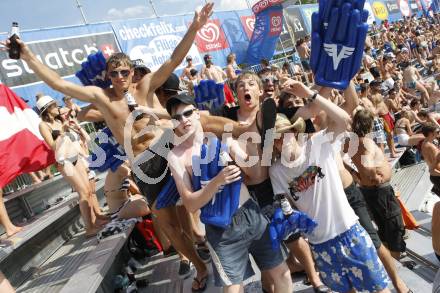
(153, 40)
(268, 27)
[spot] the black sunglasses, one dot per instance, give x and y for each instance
(270, 79)
(185, 114)
(115, 73)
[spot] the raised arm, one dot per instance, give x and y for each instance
(351, 99)
(90, 113)
(87, 94)
(160, 76)
(339, 120)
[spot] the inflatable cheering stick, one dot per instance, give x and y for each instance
(286, 222)
(220, 210)
(109, 154)
(168, 196)
(209, 95)
(339, 30)
(93, 71)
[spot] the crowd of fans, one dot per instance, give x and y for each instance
(390, 103)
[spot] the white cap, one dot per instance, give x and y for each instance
(44, 102)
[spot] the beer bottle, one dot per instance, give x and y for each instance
(132, 105)
(14, 47)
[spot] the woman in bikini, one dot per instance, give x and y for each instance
(403, 131)
(63, 135)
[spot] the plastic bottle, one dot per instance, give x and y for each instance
(14, 47)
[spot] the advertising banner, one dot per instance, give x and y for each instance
(268, 27)
(153, 40)
(295, 21)
(238, 27)
(379, 9)
(393, 10)
(307, 11)
(371, 18)
(404, 7)
(62, 49)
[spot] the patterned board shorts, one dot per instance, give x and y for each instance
(350, 261)
(378, 131)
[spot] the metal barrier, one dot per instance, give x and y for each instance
(19, 183)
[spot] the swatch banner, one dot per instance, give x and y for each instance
(268, 27)
(62, 50)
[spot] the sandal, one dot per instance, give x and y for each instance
(203, 252)
(203, 281)
(321, 289)
(269, 112)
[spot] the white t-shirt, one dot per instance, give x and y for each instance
(315, 180)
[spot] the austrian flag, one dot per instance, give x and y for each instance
(22, 148)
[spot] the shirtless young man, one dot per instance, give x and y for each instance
(411, 81)
(256, 176)
(113, 106)
(383, 112)
(212, 71)
(248, 231)
(431, 154)
(186, 72)
(374, 173)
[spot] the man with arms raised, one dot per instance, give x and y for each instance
(113, 106)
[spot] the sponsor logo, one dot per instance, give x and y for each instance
(380, 10)
(149, 31)
(332, 51)
(263, 4)
(211, 37)
(63, 55)
(404, 7)
(276, 23)
(248, 23)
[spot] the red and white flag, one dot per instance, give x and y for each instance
(22, 148)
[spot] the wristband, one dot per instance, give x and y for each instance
(312, 98)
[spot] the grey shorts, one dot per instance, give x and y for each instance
(247, 234)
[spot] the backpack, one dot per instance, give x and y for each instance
(143, 241)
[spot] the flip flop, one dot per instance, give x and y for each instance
(269, 112)
(203, 281)
(321, 289)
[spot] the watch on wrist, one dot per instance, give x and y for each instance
(311, 98)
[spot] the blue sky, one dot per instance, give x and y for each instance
(34, 14)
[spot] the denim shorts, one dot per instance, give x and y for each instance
(350, 261)
(247, 234)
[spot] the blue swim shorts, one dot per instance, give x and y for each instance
(350, 261)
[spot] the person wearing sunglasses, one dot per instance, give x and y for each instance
(248, 231)
(270, 84)
(111, 102)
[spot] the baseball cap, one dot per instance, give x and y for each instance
(375, 83)
(188, 58)
(404, 49)
(139, 63)
(183, 98)
(172, 83)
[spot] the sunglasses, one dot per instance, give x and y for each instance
(115, 73)
(185, 114)
(270, 79)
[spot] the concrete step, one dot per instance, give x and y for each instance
(23, 254)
